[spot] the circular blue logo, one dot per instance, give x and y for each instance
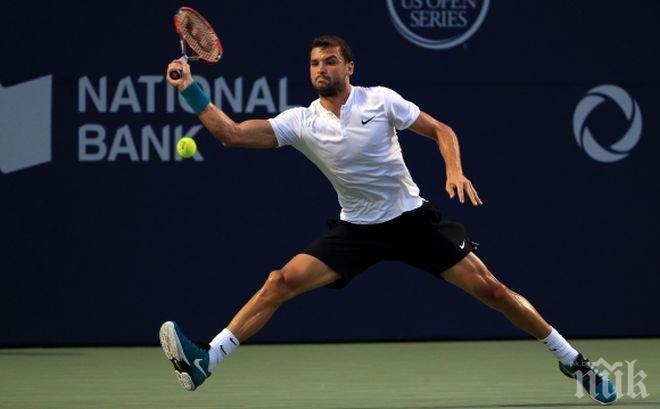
(586, 140)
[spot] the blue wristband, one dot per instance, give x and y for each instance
(195, 97)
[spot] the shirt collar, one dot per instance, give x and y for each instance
(347, 104)
(350, 99)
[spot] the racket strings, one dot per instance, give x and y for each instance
(199, 37)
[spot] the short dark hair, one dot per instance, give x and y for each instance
(330, 40)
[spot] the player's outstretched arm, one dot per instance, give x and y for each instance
(457, 184)
(253, 133)
(256, 133)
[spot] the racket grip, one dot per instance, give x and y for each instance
(176, 74)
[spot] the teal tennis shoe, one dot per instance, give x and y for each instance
(191, 363)
(599, 387)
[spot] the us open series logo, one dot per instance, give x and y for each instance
(437, 24)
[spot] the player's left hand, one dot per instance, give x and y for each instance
(459, 185)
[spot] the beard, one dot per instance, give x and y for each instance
(330, 88)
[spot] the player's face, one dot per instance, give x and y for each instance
(328, 71)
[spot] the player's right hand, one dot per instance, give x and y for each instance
(186, 79)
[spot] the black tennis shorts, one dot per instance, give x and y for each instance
(419, 238)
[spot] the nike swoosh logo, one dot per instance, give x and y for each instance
(462, 246)
(367, 121)
(196, 363)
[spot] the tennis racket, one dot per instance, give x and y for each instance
(199, 42)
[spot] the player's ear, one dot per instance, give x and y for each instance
(350, 68)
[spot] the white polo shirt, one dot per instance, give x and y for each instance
(359, 152)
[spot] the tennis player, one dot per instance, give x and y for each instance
(350, 133)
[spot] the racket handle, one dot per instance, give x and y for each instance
(176, 74)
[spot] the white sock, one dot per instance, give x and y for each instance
(221, 346)
(560, 348)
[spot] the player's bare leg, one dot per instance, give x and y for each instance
(192, 364)
(303, 273)
(472, 276)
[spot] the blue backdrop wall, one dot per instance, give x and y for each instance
(105, 233)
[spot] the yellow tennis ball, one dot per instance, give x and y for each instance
(186, 147)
